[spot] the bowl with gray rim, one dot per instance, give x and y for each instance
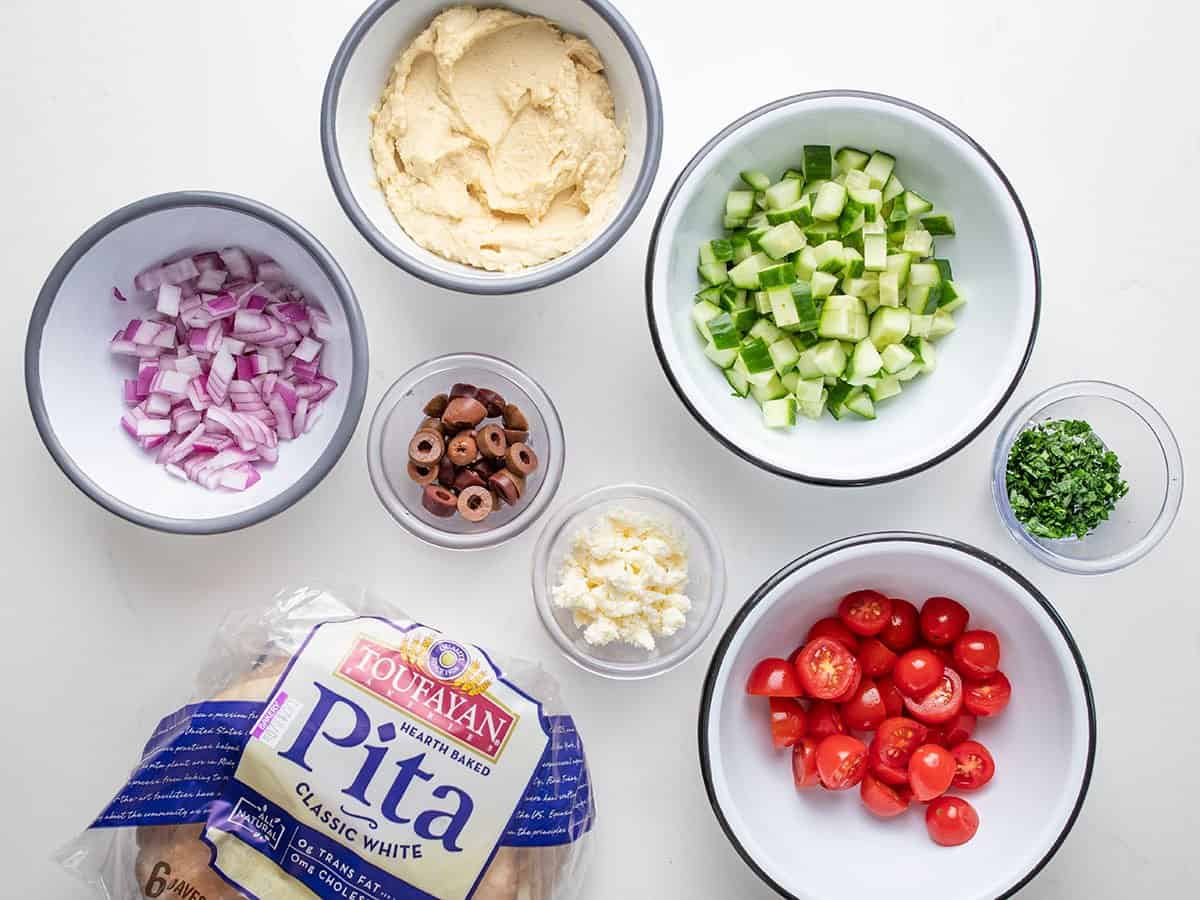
(356, 81)
(74, 382)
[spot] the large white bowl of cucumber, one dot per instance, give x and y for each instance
(843, 287)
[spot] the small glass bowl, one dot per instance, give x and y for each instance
(705, 585)
(400, 413)
(1151, 463)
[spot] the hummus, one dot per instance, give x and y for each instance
(495, 141)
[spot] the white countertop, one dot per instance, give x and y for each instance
(1087, 112)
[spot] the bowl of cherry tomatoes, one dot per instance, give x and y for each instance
(897, 713)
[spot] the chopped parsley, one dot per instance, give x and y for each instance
(1061, 480)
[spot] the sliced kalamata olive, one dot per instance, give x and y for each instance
(494, 402)
(463, 390)
(462, 449)
(521, 459)
(492, 442)
(436, 406)
(422, 474)
(468, 478)
(516, 436)
(486, 467)
(509, 485)
(426, 448)
(475, 504)
(463, 412)
(514, 418)
(447, 472)
(432, 424)
(439, 501)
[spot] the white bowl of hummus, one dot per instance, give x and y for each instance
(492, 150)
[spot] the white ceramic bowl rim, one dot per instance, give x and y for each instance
(884, 537)
(555, 271)
(677, 187)
(357, 389)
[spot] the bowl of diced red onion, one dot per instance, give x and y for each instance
(196, 362)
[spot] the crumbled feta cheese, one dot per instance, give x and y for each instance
(624, 580)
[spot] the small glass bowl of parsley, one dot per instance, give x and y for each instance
(1088, 477)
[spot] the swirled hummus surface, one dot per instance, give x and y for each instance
(495, 141)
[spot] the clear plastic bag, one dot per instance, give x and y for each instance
(335, 748)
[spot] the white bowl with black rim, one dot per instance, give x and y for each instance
(994, 257)
(825, 845)
(360, 72)
(74, 382)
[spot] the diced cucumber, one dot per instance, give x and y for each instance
(703, 313)
(780, 274)
(713, 273)
(843, 325)
(712, 294)
(784, 354)
(859, 403)
(952, 298)
(889, 326)
(773, 389)
(917, 298)
(782, 194)
(805, 263)
(830, 200)
(812, 187)
(865, 361)
(900, 263)
(829, 358)
(943, 267)
(741, 248)
(755, 357)
(760, 181)
(875, 226)
(806, 309)
(919, 242)
(718, 251)
(838, 394)
(794, 173)
(870, 199)
(737, 381)
(743, 318)
(892, 189)
(818, 162)
(920, 326)
(884, 389)
(829, 256)
(889, 289)
(909, 373)
(855, 181)
(922, 273)
(849, 159)
(851, 219)
(790, 380)
(799, 212)
(846, 302)
(896, 358)
(806, 365)
(852, 264)
(822, 284)
(723, 358)
(941, 224)
(928, 356)
(745, 274)
(820, 232)
(782, 240)
(765, 332)
(874, 252)
(739, 204)
(879, 168)
(762, 304)
(914, 203)
(942, 324)
(783, 307)
(722, 333)
(758, 221)
(780, 413)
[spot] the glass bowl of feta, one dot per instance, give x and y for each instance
(628, 580)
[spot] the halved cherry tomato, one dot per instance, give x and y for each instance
(835, 628)
(957, 730)
(931, 771)
(824, 718)
(917, 671)
(864, 711)
(942, 703)
(951, 821)
(827, 669)
(865, 612)
(852, 687)
(945, 654)
(974, 766)
(804, 763)
(976, 654)
(893, 747)
(841, 762)
(875, 658)
(893, 700)
(884, 799)
(787, 721)
(988, 697)
(900, 632)
(774, 677)
(943, 620)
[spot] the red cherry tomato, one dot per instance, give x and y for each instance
(773, 677)
(988, 697)
(893, 700)
(865, 612)
(942, 703)
(931, 771)
(951, 821)
(841, 762)
(827, 669)
(852, 687)
(835, 628)
(804, 763)
(893, 747)
(943, 620)
(945, 654)
(884, 799)
(900, 632)
(957, 730)
(974, 766)
(824, 718)
(875, 658)
(917, 672)
(865, 710)
(976, 654)
(787, 721)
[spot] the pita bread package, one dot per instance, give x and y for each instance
(337, 751)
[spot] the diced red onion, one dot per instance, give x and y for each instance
(257, 302)
(131, 394)
(169, 296)
(207, 262)
(118, 296)
(172, 273)
(301, 417)
(158, 404)
(237, 262)
(220, 305)
(269, 270)
(211, 281)
(322, 328)
(308, 350)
